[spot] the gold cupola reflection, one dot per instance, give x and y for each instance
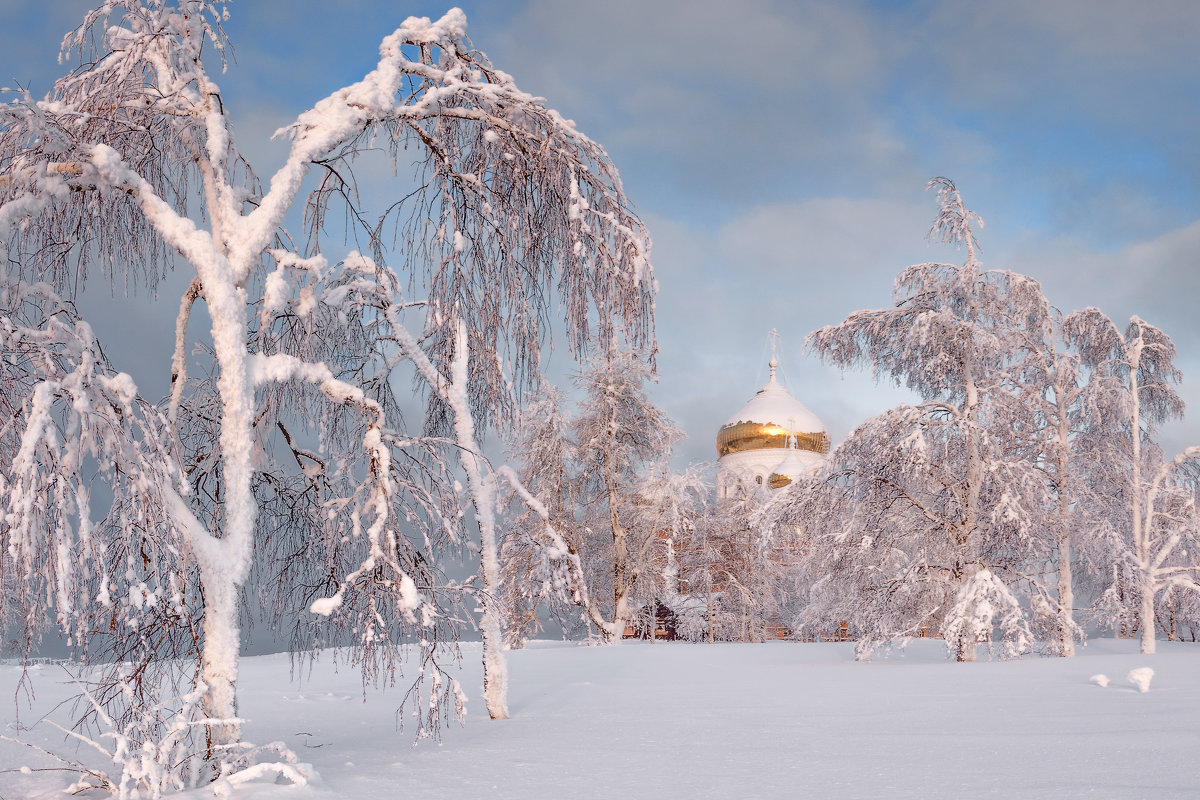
(742, 436)
(772, 440)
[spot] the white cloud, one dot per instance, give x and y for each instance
(714, 97)
(1086, 51)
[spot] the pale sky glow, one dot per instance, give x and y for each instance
(779, 151)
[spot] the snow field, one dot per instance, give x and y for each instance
(673, 720)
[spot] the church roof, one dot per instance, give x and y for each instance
(774, 405)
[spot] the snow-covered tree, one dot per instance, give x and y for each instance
(618, 433)
(1178, 613)
(704, 564)
(668, 509)
(600, 483)
(130, 165)
(739, 568)
(921, 499)
(531, 572)
(1149, 525)
(1054, 426)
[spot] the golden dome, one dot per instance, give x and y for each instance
(768, 421)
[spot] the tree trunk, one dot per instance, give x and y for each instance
(1066, 600)
(222, 636)
(1140, 534)
(965, 648)
(219, 661)
(711, 633)
(620, 560)
(1066, 589)
(482, 487)
(1147, 618)
(495, 665)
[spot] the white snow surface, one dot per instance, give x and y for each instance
(773, 404)
(674, 720)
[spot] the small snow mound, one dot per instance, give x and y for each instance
(1099, 680)
(1140, 678)
(278, 773)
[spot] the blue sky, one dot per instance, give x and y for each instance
(779, 152)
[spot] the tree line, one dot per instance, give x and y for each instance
(1021, 498)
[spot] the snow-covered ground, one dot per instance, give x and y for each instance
(673, 720)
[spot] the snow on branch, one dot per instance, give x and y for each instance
(953, 222)
(562, 568)
(510, 199)
(143, 90)
(72, 419)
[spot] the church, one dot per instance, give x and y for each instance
(773, 440)
(770, 442)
